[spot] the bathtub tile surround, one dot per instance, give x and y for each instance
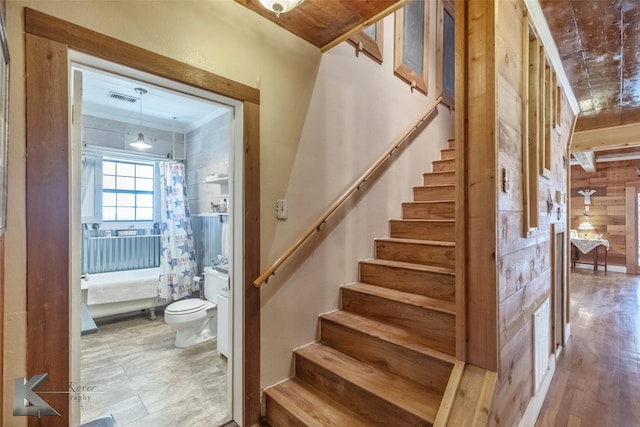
(137, 369)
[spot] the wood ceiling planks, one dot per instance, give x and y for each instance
(598, 42)
(320, 21)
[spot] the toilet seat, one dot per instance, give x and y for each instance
(185, 306)
(186, 311)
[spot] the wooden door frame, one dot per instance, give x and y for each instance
(556, 229)
(48, 41)
(631, 230)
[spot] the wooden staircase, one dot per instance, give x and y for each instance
(387, 356)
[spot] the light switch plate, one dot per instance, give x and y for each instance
(282, 209)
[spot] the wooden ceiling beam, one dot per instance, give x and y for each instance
(363, 25)
(586, 159)
(607, 138)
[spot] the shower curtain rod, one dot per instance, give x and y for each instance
(96, 149)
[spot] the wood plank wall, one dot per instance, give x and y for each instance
(607, 211)
(523, 263)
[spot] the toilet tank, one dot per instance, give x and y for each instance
(213, 281)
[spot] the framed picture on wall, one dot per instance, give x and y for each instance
(4, 123)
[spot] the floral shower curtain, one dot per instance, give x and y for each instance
(178, 257)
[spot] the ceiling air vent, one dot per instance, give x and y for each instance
(122, 97)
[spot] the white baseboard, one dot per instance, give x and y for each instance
(535, 404)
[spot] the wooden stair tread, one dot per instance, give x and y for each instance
(313, 407)
(428, 202)
(388, 332)
(416, 241)
(408, 298)
(411, 266)
(421, 401)
(420, 220)
(434, 186)
(440, 173)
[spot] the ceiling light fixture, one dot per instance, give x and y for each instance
(140, 143)
(280, 6)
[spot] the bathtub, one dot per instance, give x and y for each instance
(118, 292)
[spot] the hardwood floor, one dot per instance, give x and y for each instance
(597, 381)
(143, 380)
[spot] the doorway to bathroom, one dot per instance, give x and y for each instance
(133, 344)
(49, 44)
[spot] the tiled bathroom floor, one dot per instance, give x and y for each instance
(142, 379)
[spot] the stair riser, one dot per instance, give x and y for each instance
(436, 210)
(425, 283)
(382, 354)
(279, 416)
(442, 232)
(439, 178)
(430, 194)
(444, 165)
(448, 154)
(356, 398)
(416, 253)
(451, 143)
(420, 321)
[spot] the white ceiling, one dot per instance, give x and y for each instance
(159, 105)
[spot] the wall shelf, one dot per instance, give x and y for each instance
(213, 179)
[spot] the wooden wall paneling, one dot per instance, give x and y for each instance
(518, 309)
(516, 365)
(510, 46)
(631, 244)
(48, 40)
(481, 283)
(47, 189)
(509, 163)
(518, 268)
(461, 160)
(608, 211)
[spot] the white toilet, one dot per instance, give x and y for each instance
(195, 319)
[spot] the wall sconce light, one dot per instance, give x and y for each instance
(280, 6)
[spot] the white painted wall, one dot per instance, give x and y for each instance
(324, 119)
(358, 108)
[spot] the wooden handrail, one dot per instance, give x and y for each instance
(264, 277)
